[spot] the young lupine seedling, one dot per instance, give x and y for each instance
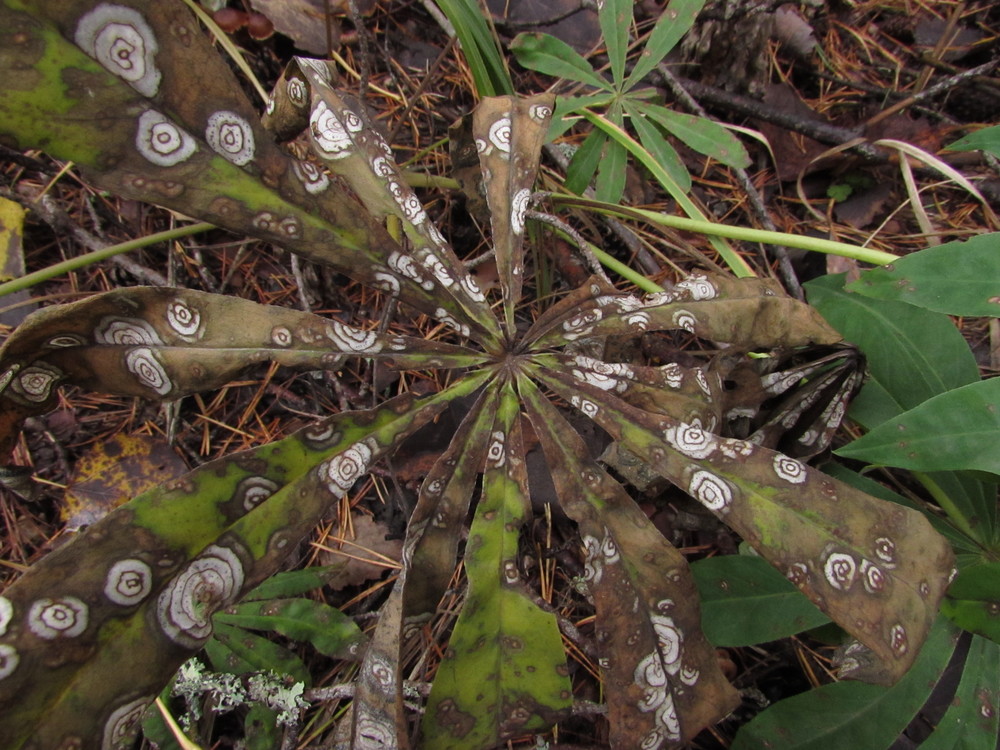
(629, 107)
(135, 96)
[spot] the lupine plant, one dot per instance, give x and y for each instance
(92, 632)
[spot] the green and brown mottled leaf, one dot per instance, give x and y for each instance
(661, 675)
(504, 672)
(747, 312)
(206, 155)
(162, 343)
(879, 570)
(134, 594)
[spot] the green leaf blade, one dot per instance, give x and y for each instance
(505, 672)
(973, 600)
(746, 601)
(553, 57)
(615, 17)
(957, 278)
(987, 139)
(971, 721)
(703, 135)
(957, 430)
(674, 22)
(915, 354)
(849, 714)
(654, 142)
(329, 631)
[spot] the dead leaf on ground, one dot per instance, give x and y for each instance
(112, 472)
(368, 553)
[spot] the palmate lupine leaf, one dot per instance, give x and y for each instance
(429, 554)
(662, 679)
(109, 87)
(162, 343)
(344, 138)
(508, 134)
(504, 672)
(133, 596)
(875, 568)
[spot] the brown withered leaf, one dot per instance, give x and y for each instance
(368, 552)
(114, 471)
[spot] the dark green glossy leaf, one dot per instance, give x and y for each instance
(973, 600)
(615, 17)
(914, 354)
(746, 601)
(972, 721)
(554, 57)
(609, 185)
(260, 729)
(295, 582)
(583, 166)
(480, 46)
(849, 714)
(958, 278)
(959, 429)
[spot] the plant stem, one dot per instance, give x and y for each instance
(73, 264)
(956, 516)
(830, 247)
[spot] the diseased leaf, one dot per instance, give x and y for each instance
(348, 143)
(747, 312)
(165, 562)
(746, 601)
(12, 262)
(875, 568)
(110, 472)
(163, 343)
(662, 680)
(958, 278)
(509, 133)
(219, 164)
(504, 672)
(848, 714)
(973, 600)
(956, 430)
